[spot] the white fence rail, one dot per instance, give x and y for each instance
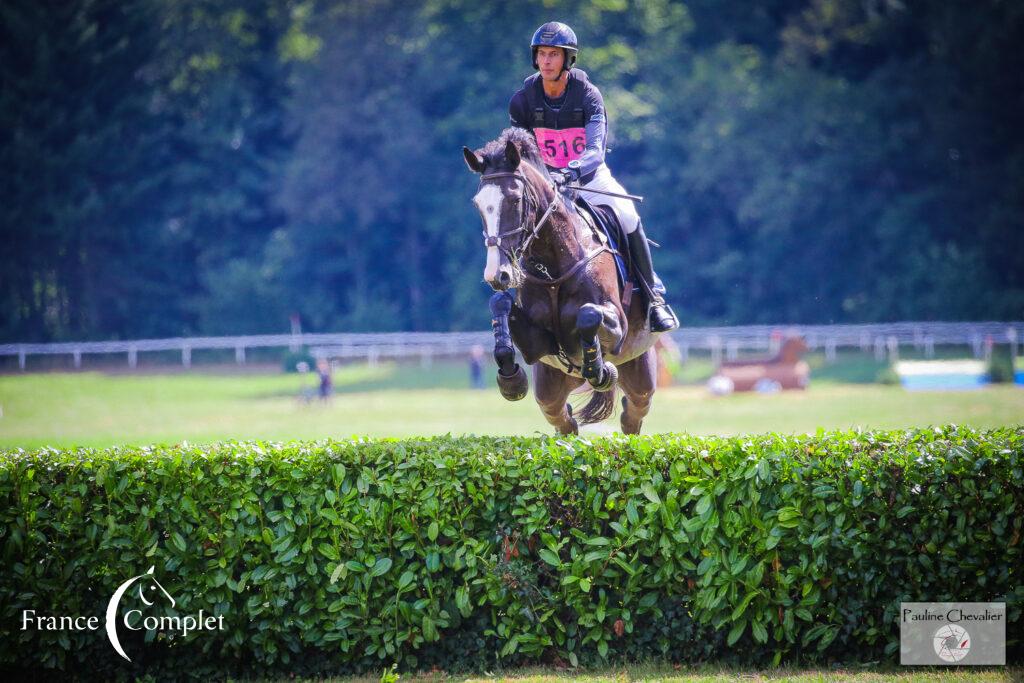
(884, 340)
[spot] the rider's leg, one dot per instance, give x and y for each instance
(662, 318)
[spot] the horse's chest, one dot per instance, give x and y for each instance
(538, 311)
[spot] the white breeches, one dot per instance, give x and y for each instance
(625, 209)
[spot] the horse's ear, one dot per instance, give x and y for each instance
(473, 160)
(512, 154)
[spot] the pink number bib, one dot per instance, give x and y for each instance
(559, 147)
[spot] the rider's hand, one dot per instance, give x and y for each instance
(563, 177)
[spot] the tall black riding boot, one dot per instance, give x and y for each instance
(660, 314)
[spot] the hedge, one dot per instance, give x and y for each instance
(344, 557)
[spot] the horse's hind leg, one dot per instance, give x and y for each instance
(552, 387)
(638, 379)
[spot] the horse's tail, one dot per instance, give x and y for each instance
(600, 407)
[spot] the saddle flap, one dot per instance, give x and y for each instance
(611, 234)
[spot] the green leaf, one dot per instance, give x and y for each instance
(650, 493)
(510, 646)
(763, 473)
(703, 505)
(759, 631)
(462, 601)
(432, 531)
(829, 636)
(788, 513)
(598, 540)
(736, 632)
(179, 541)
(550, 557)
(337, 572)
(429, 630)
(706, 564)
(625, 565)
(648, 601)
(406, 580)
(433, 562)
(381, 566)
(631, 513)
(328, 551)
(742, 607)
(858, 492)
(585, 584)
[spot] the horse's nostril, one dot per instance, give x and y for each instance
(504, 278)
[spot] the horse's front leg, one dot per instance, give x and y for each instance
(591, 320)
(512, 381)
(551, 388)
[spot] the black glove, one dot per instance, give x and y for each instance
(564, 176)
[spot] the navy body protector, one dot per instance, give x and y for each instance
(569, 115)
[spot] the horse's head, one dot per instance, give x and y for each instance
(149, 585)
(507, 201)
(792, 349)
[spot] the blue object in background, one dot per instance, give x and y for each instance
(945, 381)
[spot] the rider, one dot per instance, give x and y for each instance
(565, 112)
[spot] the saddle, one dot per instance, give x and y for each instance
(606, 226)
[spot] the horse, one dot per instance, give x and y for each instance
(569, 318)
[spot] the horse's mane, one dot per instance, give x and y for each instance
(494, 152)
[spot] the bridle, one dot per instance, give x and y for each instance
(530, 203)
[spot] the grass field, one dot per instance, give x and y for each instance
(101, 409)
(719, 674)
(711, 674)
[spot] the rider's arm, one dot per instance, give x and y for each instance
(597, 129)
(517, 111)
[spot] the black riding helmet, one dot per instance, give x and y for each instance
(555, 34)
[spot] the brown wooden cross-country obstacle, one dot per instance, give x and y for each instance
(784, 370)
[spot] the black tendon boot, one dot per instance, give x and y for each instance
(659, 313)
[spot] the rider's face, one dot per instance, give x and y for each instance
(550, 61)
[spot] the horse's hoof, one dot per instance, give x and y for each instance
(630, 428)
(574, 428)
(611, 377)
(514, 387)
